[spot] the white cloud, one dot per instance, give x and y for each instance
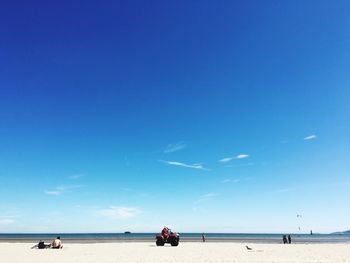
(6, 220)
(119, 212)
(209, 195)
(65, 188)
(311, 137)
(75, 176)
(228, 159)
(206, 197)
(284, 190)
(242, 156)
(175, 147)
(53, 192)
(225, 181)
(193, 166)
(62, 189)
(239, 165)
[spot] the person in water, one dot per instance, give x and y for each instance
(289, 240)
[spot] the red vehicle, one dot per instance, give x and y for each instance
(167, 236)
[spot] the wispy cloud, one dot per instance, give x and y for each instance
(209, 195)
(53, 192)
(206, 197)
(62, 189)
(193, 166)
(226, 181)
(228, 159)
(66, 188)
(242, 156)
(119, 212)
(75, 176)
(6, 220)
(239, 165)
(175, 147)
(311, 137)
(284, 190)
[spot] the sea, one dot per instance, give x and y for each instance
(150, 237)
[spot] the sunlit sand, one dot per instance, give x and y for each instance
(185, 252)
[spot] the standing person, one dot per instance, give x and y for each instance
(284, 239)
(289, 240)
(57, 243)
(203, 237)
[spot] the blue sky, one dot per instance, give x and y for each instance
(214, 116)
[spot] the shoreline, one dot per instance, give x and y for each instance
(187, 240)
(88, 238)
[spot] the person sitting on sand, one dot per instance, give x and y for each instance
(41, 245)
(57, 243)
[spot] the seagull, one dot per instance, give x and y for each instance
(298, 215)
(248, 248)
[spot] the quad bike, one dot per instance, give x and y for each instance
(167, 236)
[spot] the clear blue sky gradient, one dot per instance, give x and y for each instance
(114, 116)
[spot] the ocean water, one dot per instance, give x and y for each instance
(230, 237)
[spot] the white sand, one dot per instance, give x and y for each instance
(185, 252)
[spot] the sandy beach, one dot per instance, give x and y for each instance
(185, 252)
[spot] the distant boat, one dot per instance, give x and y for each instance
(127, 232)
